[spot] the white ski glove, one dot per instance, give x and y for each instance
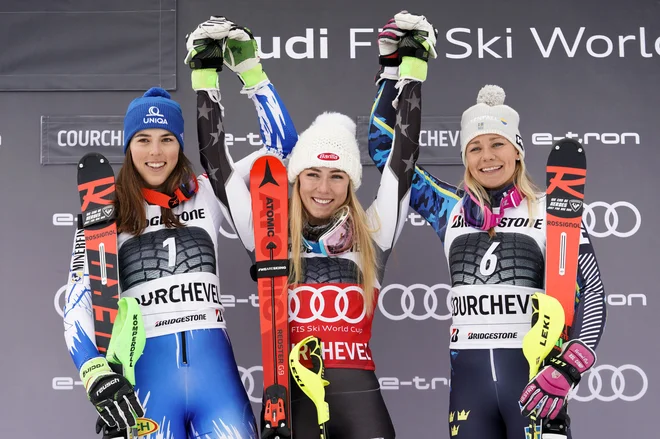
(416, 47)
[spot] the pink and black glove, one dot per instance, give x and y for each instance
(388, 51)
(546, 393)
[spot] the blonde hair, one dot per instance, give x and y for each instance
(364, 245)
(521, 179)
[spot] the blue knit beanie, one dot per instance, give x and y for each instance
(155, 109)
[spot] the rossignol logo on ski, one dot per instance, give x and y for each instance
(154, 116)
(92, 197)
(576, 205)
(569, 224)
(559, 182)
(98, 236)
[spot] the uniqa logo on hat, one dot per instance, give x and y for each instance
(154, 116)
(329, 156)
(504, 121)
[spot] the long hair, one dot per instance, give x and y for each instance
(521, 179)
(363, 243)
(129, 202)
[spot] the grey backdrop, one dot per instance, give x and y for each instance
(83, 62)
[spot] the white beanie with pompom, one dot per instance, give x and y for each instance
(491, 116)
(330, 142)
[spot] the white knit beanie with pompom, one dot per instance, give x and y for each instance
(330, 142)
(491, 116)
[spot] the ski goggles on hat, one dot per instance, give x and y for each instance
(183, 193)
(337, 239)
(482, 216)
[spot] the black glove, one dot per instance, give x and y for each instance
(116, 402)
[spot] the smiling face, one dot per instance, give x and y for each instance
(491, 160)
(155, 153)
(322, 191)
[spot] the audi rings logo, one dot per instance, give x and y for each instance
(613, 226)
(627, 382)
(347, 305)
(253, 381)
(409, 304)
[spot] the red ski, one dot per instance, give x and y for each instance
(96, 186)
(269, 190)
(565, 177)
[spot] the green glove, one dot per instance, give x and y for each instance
(241, 56)
(204, 56)
(414, 49)
(205, 79)
(128, 337)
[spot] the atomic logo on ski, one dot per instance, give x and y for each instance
(268, 177)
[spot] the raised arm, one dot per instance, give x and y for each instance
(206, 47)
(430, 197)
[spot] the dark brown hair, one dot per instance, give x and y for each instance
(130, 201)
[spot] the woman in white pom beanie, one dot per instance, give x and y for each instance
(493, 232)
(338, 256)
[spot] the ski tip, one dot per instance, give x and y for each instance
(567, 143)
(92, 157)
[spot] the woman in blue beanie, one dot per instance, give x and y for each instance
(187, 380)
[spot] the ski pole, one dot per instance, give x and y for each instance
(312, 382)
(547, 325)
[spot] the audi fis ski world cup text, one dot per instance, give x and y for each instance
(463, 42)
